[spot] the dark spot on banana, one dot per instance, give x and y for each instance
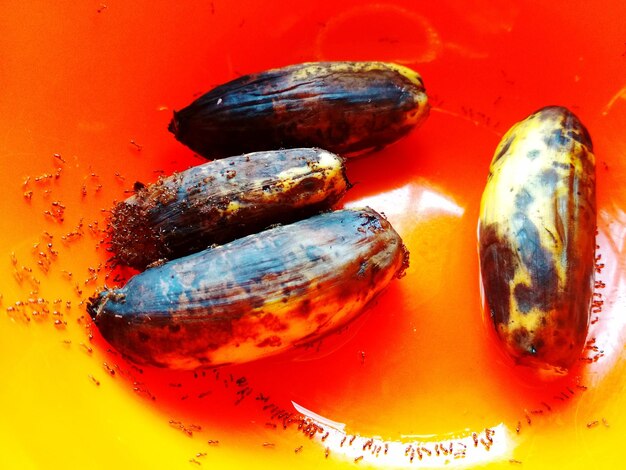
(503, 148)
(497, 261)
(532, 154)
(523, 199)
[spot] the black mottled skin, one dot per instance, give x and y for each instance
(189, 211)
(343, 112)
(191, 306)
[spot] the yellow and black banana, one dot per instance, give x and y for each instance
(255, 296)
(343, 107)
(222, 200)
(537, 239)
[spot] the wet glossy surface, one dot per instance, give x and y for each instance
(88, 91)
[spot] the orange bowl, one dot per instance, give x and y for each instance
(88, 89)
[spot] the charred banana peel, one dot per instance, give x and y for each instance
(219, 201)
(255, 296)
(537, 240)
(344, 107)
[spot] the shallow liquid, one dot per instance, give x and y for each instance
(88, 91)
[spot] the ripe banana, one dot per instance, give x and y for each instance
(343, 107)
(222, 200)
(255, 296)
(537, 240)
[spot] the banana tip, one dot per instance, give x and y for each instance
(94, 305)
(173, 125)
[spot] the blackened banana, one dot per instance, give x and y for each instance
(222, 200)
(537, 239)
(343, 107)
(255, 296)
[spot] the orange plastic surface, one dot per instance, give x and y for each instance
(87, 90)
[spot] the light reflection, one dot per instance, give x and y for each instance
(431, 201)
(620, 94)
(415, 198)
(337, 426)
(465, 449)
(608, 324)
